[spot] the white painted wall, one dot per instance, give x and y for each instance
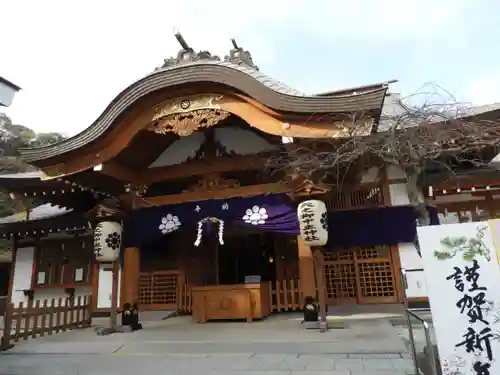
(410, 260)
(105, 287)
(23, 272)
(7, 94)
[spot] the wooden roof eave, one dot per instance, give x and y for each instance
(27, 181)
(486, 175)
(210, 73)
(67, 222)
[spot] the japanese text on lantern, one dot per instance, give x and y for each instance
(307, 218)
(478, 337)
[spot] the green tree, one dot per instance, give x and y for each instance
(12, 138)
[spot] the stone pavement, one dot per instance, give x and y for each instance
(277, 346)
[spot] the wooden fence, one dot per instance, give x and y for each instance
(184, 300)
(41, 318)
(285, 296)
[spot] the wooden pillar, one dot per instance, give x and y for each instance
(131, 270)
(12, 267)
(114, 294)
(306, 270)
(95, 285)
(320, 280)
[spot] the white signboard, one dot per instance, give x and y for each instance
(252, 279)
(463, 282)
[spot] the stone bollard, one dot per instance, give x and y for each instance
(130, 316)
(424, 364)
(310, 310)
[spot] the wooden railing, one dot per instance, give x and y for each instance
(184, 299)
(40, 318)
(284, 295)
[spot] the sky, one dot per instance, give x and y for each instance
(71, 58)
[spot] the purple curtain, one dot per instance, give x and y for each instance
(273, 213)
(374, 226)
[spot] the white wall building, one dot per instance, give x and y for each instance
(7, 92)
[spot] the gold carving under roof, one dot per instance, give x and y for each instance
(183, 116)
(184, 124)
(308, 187)
(187, 104)
(212, 182)
(103, 211)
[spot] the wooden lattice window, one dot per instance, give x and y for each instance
(63, 262)
(47, 263)
(340, 275)
(363, 274)
(376, 279)
(363, 196)
(158, 288)
(77, 261)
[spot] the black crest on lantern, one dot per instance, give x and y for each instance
(324, 221)
(113, 240)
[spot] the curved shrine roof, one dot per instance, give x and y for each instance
(237, 72)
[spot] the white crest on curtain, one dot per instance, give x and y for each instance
(255, 215)
(169, 224)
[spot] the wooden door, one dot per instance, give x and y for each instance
(360, 275)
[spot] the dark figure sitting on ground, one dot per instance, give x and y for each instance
(310, 310)
(130, 316)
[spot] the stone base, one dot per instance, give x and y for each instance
(4, 347)
(103, 331)
(324, 326)
(170, 314)
(423, 361)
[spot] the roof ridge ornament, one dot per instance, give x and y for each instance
(239, 56)
(187, 54)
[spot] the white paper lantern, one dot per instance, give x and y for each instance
(313, 221)
(107, 241)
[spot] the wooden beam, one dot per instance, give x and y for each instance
(320, 281)
(241, 191)
(199, 167)
(116, 170)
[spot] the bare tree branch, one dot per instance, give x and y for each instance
(428, 130)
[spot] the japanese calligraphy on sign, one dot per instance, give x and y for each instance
(462, 272)
(313, 222)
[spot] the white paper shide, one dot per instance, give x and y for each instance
(313, 222)
(107, 241)
(463, 275)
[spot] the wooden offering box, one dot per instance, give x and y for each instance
(238, 301)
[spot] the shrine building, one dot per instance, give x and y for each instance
(168, 200)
